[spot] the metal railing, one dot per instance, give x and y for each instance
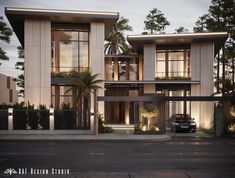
(173, 75)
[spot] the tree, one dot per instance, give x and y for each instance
(5, 35)
(181, 30)
(221, 17)
(84, 84)
(20, 66)
(156, 21)
(116, 41)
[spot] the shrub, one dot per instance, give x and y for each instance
(101, 127)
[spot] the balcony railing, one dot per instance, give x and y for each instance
(64, 71)
(173, 76)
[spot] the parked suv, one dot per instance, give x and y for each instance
(182, 122)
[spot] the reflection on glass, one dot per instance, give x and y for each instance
(173, 63)
(68, 36)
(109, 69)
(177, 107)
(83, 36)
(72, 48)
(83, 54)
(63, 95)
(160, 65)
(122, 70)
(176, 64)
(65, 90)
(68, 56)
(133, 69)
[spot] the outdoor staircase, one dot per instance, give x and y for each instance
(122, 128)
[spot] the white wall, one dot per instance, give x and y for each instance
(38, 61)
(202, 56)
(149, 61)
(97, 57)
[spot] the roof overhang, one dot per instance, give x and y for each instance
(153, 82)
(16, 17)
(138, 41)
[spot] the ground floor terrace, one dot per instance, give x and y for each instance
(118, 111)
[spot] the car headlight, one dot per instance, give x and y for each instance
(192, 123)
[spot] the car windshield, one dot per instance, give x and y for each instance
(182, 116)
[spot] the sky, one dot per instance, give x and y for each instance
(178, 13)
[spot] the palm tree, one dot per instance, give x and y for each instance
(84, 84)
(116, 42)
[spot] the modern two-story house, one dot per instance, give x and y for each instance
(169, 65)
(57, 41)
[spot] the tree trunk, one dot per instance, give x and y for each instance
(85, 112)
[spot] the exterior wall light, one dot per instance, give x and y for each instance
(51, 110)
(10, 111)
(10, 119)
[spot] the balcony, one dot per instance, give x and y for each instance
(66, 71)
(65, 75)
(173, 76)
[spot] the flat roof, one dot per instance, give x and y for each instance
(153, 82)
(138, 41)
(16, 17)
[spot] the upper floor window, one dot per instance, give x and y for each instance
(70, 50)
(172, 64)
(123, 68)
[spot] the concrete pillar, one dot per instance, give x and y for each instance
(52, 119)
(202, 56)
(149, 61)
(195, 105)
(97, 56)
(37, 61)
(10, 119)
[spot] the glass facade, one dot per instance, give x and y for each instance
(179, 107)
(70, 50)
(172, 64)
(122, 68)
(63, 95)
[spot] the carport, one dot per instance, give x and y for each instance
(162, 100)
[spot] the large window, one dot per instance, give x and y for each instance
(63, 95)
(70, 50)
(122, 68)
(173, 64)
